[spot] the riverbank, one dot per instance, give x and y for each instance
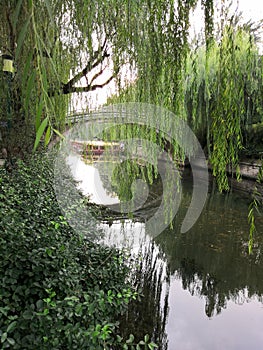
(246, 181)
(58, 290)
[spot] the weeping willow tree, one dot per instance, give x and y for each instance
(62, 47)
(54, 44)
(160, 46)
(223, 97)
(216, 87)
(29, 36)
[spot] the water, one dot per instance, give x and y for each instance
(215, 296)
(213, 286)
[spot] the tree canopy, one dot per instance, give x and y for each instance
(56, 43)
(62, 48)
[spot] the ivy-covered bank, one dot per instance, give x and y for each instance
(58, 290)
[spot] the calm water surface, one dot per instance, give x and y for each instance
(214, 287)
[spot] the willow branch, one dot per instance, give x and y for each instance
(98, 57)
(88, 88)
(95, 76)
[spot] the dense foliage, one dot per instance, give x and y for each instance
(223, 98)
(63, 47)
(220, 96)
(58, 290)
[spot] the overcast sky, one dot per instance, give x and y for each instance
(252, 9)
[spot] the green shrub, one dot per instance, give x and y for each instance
(58, 290)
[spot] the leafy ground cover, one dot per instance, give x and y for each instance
(58, 290)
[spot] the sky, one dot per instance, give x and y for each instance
(252, 9)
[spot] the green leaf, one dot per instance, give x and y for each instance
(130, 340)
(3, 337)
(58, 133)
(27, 315)
(74, 298)
(40, 132)
(11, 341)
(11, 327)
(119, 338)
(48, 135)
(39, 112)
(21, 37)
(39, 304)
(146, 338)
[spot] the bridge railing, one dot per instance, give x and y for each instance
(80, 116)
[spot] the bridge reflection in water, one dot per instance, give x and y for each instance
(215, 290)
(92, 150)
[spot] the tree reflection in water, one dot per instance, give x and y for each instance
(149, 314)
(212, 258)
